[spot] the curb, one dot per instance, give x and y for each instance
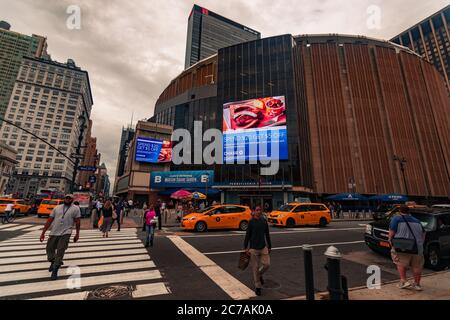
(352, 220)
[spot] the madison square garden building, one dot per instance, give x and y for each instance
(347, 107)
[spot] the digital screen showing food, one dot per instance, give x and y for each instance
(153, 151)
(255, 130)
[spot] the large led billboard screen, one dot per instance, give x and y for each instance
(255, 130)
(153, 151)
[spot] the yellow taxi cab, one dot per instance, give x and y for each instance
(47, 205)
(218, 217)
(20, 206)
(297, 214)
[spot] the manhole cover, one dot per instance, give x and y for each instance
(112, 292)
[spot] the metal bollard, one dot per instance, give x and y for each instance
(309, 272)
(334, 273)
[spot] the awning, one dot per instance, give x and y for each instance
(170, 191)
(347, 197)
(390, 198)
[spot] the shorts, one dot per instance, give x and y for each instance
(407, 259)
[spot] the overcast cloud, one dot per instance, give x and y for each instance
(132, 49)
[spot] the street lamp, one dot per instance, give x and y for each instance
(82, 119)
(402, 161)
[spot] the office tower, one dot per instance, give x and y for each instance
(52, 101)
(208, 32)
(13, 46)
(127, 136)
(430, 38)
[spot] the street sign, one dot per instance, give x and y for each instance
(87, 168)
(77, 156)
(92, 179)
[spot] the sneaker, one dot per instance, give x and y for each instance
(54, 274)
(404, 285)
(258, 291)
(416, 287)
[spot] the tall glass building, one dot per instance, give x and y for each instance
(430, 38)
(208, 32)
(13, 47)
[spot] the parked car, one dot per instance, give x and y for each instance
(20, 205)
(296, 214)
(218, 217)
(436, 223)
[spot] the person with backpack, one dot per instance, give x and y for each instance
(150, 224)
(407, 236)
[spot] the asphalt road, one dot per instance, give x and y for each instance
(184, 265)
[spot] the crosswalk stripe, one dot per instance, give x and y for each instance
(6, 226)
(70, 296)
(82, 240)
(35, 228)
(85, 234)
(38, 245)
(37, 236)
(149, 290)
(5, 261)
(229, 284)
(69, 250)
(44, 274)
(78, 262)
(17, 228)
(28, 288)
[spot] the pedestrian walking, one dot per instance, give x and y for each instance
(180, 212)
(158, 213)
(61, 221)
(150, 224)
(407, 235)
(107, 212)
(257, 244)
(118, 209)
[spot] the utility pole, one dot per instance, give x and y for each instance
(402, 161)
(82, 120)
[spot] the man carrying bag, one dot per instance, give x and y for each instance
(407, 235)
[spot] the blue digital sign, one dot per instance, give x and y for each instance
(153, 151)
(255, 130)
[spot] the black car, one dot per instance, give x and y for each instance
(436, 223)
(382, 210)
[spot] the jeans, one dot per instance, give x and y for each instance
(56, 247)
(118, 221)
(260, 262)
(150, 234)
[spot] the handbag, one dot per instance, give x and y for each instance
(114, 215)
(244, 261)
(404, 245)
(100, 222)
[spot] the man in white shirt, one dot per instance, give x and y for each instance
(61, 221)
(8, 210)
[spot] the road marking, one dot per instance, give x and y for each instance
(363, 225)
(290, 247)
(35, 228)
(74, 255)
(70, 296)
(38, 245)
(271, 233)
(77, 262)
(35, 240)
(16, 228)
(5, 226)
(44, 274)
(149, 290)
(234, 288)
(36, 287)
(69, 250)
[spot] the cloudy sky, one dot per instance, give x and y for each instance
(132, 49)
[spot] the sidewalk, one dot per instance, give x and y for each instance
(436, 286)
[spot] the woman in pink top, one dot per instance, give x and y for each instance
(150, 225)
